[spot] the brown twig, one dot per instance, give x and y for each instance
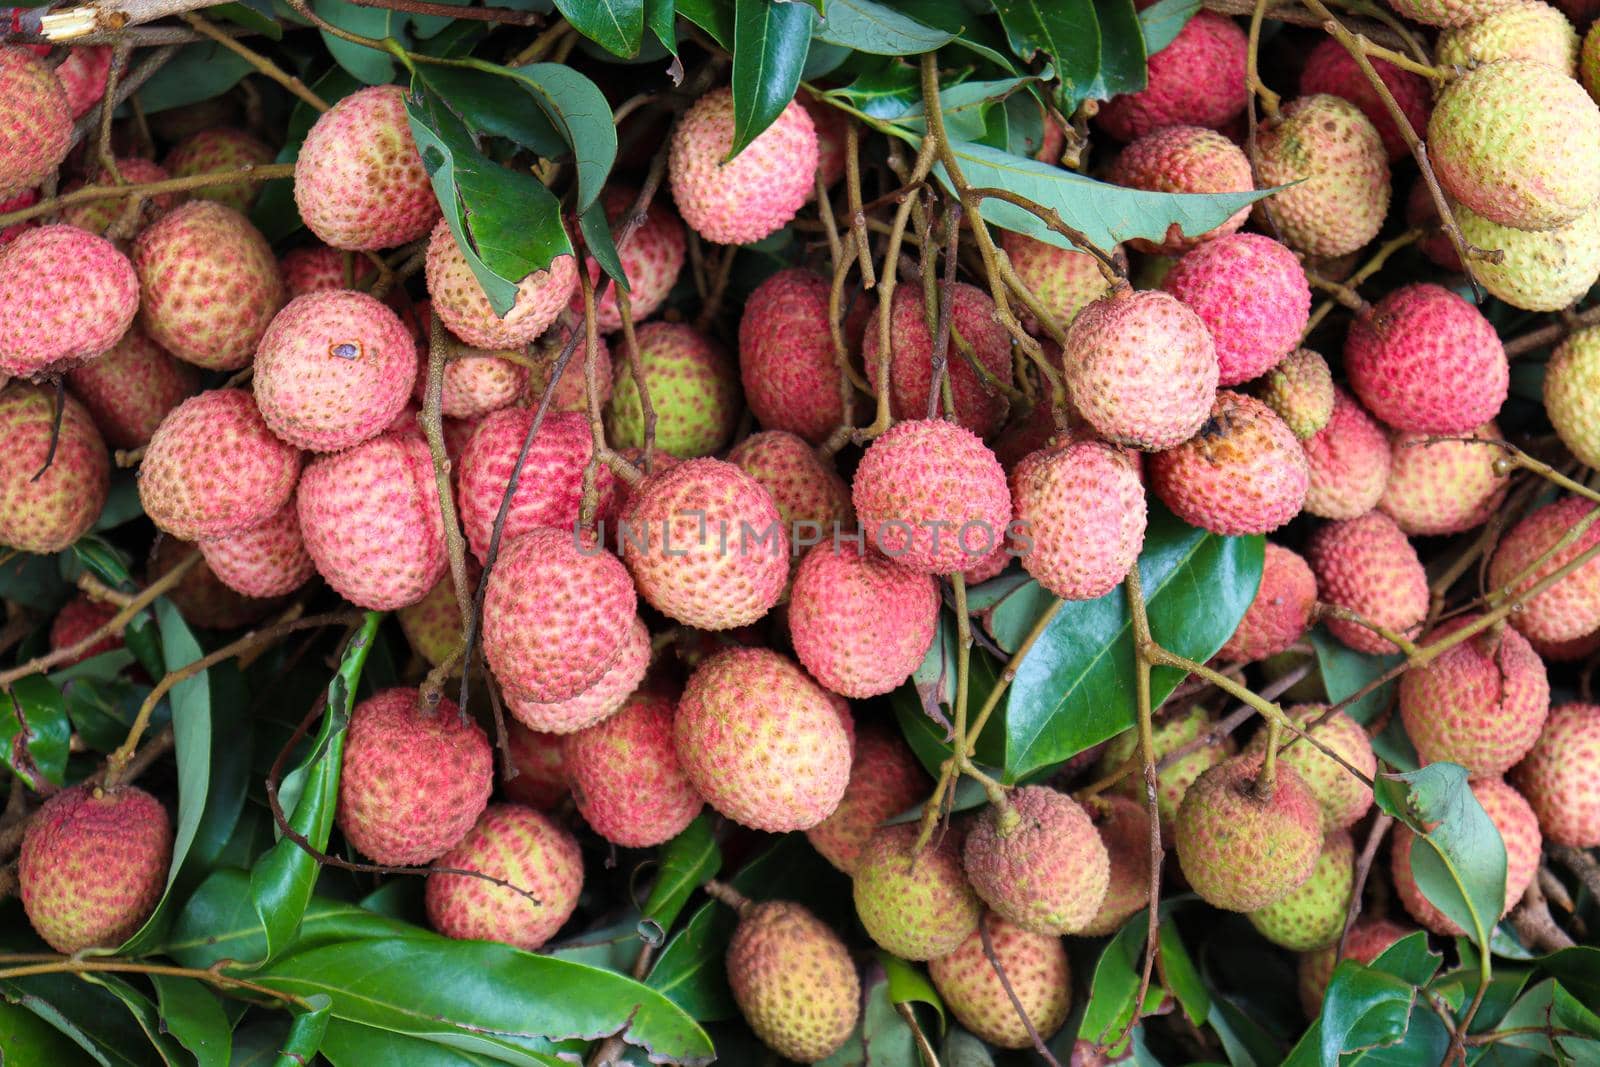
(261, 63)
(1011, 994)
(450, 11)
(1369, 852)
(250, 172)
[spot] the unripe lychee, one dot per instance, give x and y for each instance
(221, 149)
(66, 295)
(1124, 828)
(1300, 389)
(931, 496)
(625, 775)
(860, 623)
(885, 780)
(915, 905)
(651, 260)
(1519, 830)
(1444, 486)
(518, 845)
(1141, 369)
(1558, 776)
(761, 741)
(1063, 279)
(786, 359)
(1589, 60)
(1349, 461)
(1080, 508)
(314, 267)
(371, 520)
(1252, 294)
(978, 406)
(208, 284)
(1539, 271)
(459, 300)
(264, 561)
(1184, 159)
(1341, 797)
(572, 388)
(1570, 608)
(1198, 80)
(693, 388)
(1039, 862)
(1240, 850)
(133, 212)
(130, 387)
(333, 369)
(1037, 973)
(359, 181)
(1326, 145)
(756, 193)
(1331, 69)
(213, 468)
(1514, 141)
(37, 133)
(46, 508)
(705, 544)
(1449, 13)
(1173, 781)
(555, 614)
(93, 865)
(1527, 29)
(1572, 394)
(432, 625)
(595, 703)
(414, 781)
(1243, 473)
(541, 780)
(1311, 915)
(793, 979)
(806, 489)
(79, 618)
(1280, 614)
(1367, 566)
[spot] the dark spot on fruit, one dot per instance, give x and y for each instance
(345, 350)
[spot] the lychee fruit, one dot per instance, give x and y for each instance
(1448, 13)
(200, 596)
(1243, 473)
(46, 508)
(595, 703)
(313, 268)
(572, 389)
(38, 131)
(1280, 613)
(761, 741)
(1300, 389)
(1080, 516)
(1423, 214)
(459, 299)
(264, 561)
(1572, 394)
(1342, 797)
(432, 625)
(1242, 850)
(860, 623)
(1038, 862)
(1570, 608)
(130, 387)
(523, 847)
(1173, 781)
(1527, 29)
(475, 381)
(1124, 828)
(1557, 777)
(541, 780)
(693, 388)
(83, 75)
(1444, 486)
(915, 905)
(221, 149)
(1063, 280)
(99, 216)
(1184, 159)
(1037, 972)
(1326, 145)
(1366, 941)
(1332, 70)
(93, 865)
(66, 295)
(1252, 294)
(786, 357)
(979, 406)
(625, 775)
(1367, 566)
(793, 979)
(359, 181)
(754, 194)
(1141, 368)
(208, 284)
(1349, 461)
(78, 618)
(1197, 80)
(1546, 270)
(651, 260)
(812, 499)
(885, 780)
(1311, 916)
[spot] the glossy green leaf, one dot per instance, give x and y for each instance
(615, 25)
(659, 15)
(1115, 984)
(144, 1013)
(1164, 20)
(26, 1038)
(1123, 63)
(577, 109)
(348, 1044)
(1380, 1003)
(1578, 969)
(1345, 672)
(769, 50)
(866, 26)
(35, 732)
(190, 1011)
(1065, 30)
(198, 72)
(478, 97)
(909, 985)
(369, 65)
(307, 1032)
(88, 1015)
(966, 28)
(713, 16)
(598, 241)
(968, 109)
(1181, 974)
(1410, 959)
(688, 861)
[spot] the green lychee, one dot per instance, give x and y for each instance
(694, 391)
(1312, 914)
(1342, 797)
(915, 905)
(1036, 968)
(1326, 145)
(1300, 390)
(793, 980)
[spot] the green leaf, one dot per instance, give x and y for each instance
(479, 99)
(1579, 971)
(26, 1038)
(576, 108)
(348, 1044)
(713, 16)
(197, 72)
(770, 39)
(615, 25)
(1163, 21)
(908, 985)
(122, 503)
(1075, 687)
(1115, 984)
(307, 1032)
(659, 16)
(1345, 671)
(865, 26)
(1181, 974)
(370, 65)
(1379, 1003)
(688, 861)
(144, 1015)
(250, 18)
(597, 239)
(89, 1016)
(35, 733)
(1065, 30)
(1410, 959)
(33, 582)
(1123, 63)
(966, 108)
(190, 1011)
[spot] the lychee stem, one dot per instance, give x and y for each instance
(1267, 780)
(728, 895)
(1269, 99)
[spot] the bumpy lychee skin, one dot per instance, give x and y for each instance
(1367, 940)
(1064, 279)
(1197, 80)
(83, 75)
(1300, 389)
(756, 193)
(1243, 473)
(931, 496)
(911, 351)
(1342, 797)
(1040, 863)
(1519, 829)
(130, 387)
(1331, 69)
(98, 216)
(220, 148)
(651, 259)
(264, 561)
(1174, 781)
(1527, 29)
(1558, 776)
(794, 980)
(1311, 916)
(460, 301)
(1334, 152)
(1423, 359)
(371, 521)
(541, 780)
(1448, 13)
(705, 544)
(1124, 829)
(555, 613)
(885, 780)
(432, 625)
(1281, 611)
(315, 267)
(414, 781)
(333, 370)
(761, 741)
(1540, 271)
(1444, 486)
(1569, 609)
(1367, 566)
(66, 295)
(201, 597)
(93, 865)
(37, 132)
(786, 361)
(79, 618)
(476, 381)
(1036, 968)
(46, 512)
(1572, 394)
(1242, 851)
(593, 704)
(213, 468)
(1252, 294)
(1141, 368)
(1080, 507)
(915, 905)
(1589, 60)
(806, 489)
(571, 389)
(1185, 159)
(693, 388)
(1349, 461)
(518, 845)
(860, 623)
(626, 778)
(1513, 141)
(208, 284)
(359, 182)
